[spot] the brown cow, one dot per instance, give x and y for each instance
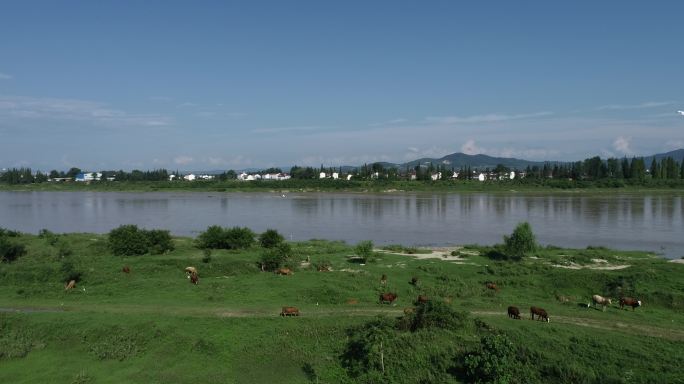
(70, 285)
(598, 299)
(422, 299)
(190, 270)
(387, 298)
(541, 314)
(289, 311)
(126, 269)
(194, 278)
(630, 302)
(383, 280)
(284, 271)
(514, 312)
(492, 286)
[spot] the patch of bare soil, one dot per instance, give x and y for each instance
(600, 265)
(442, 253)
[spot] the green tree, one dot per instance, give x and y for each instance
(275, 257)
(494, 362)
(521, 241)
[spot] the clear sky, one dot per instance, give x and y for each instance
(199, 85)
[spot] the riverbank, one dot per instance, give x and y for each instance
(367, 186)
(153, 325)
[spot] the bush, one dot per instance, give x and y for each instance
(364, 249)
(521, 241)
(270, 238)
(274, 258)
(496, 361)
(433, 314)
(129, 240)
(69, 272)
(10, 251)
(216, 237)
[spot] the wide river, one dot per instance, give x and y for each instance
(651, 222)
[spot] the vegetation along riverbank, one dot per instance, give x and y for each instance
(134, 315)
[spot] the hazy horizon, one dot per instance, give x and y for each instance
(124, 85)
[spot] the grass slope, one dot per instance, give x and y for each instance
(153, 326)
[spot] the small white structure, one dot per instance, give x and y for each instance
(88, 176)
(206, 177)
(455, 175)
(171, 177)
(321, 175)
(349, 177)
(436, 176)
(335, 175)
(190, 177)
(413, 176)
(481, 177)
(512, 175)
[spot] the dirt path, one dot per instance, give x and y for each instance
(646, 330)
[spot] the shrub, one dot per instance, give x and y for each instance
(364, 250)
(129, 240)
(9, 233)
(207, 256)
(69, 272)
(495, 362)
(274, 258)
(434, 314)
(10, 251)
(270, 238)
(217, 237)
(521, 241)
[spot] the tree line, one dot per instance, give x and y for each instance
(591, 169)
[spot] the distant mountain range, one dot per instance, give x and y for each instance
(461, 160)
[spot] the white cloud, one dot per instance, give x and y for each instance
(235, 161)
(648, 104)
(389, 122)
(284, 129)
(489, 118)
(434, 152)
(70, 109)
(183, 160)
(674, 144)
(4, 76)
(621, 144)
(470, 148)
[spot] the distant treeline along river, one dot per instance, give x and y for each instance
(651, 222)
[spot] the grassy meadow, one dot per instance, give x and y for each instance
(153, 326)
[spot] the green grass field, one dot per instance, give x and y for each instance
(154, 326)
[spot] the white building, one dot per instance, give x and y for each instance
(335, 175)
(190, 177)
(512, 175)
(321, 175)
(481, 177)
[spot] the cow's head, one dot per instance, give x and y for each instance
(610, 301)
(638, 303)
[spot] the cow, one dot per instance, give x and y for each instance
(387, 298)
(514, 312)
(352, 301)
(597, 299)
(414, 281)
(422, 299)
(383, 279)
(289, 311)
(492, 286)
(190, 270)
(194, 278)
(541, 314)
(70, 285)
(126, 269)
(630, 302)
(284, 271)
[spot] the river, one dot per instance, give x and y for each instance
(650, 222)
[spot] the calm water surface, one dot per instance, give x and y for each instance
(623, 221)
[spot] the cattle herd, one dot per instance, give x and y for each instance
(391, 297)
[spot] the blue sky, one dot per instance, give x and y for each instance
(221, 85)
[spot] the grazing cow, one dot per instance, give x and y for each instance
(70, 285)
(190, 271)
(289, 311)
(352, 301)
(284, 271)
(514, 312)
(194, 278)
(383, 280)
(541, 314)
(630, 302)
(597, 299)
(492, 286)
(414, 281)
(126, 269)
(387, 298)
(422, 299)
